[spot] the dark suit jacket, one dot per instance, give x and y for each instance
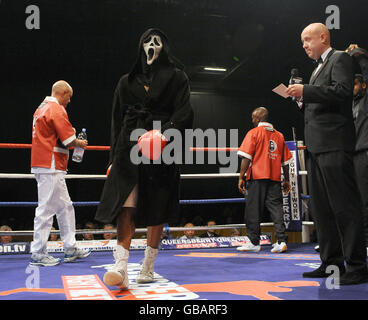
(361, 122)
(327, 101)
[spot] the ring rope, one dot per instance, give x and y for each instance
(103, 176)
(96, 203)
(29, 146)
(227, 148)
(144, 230)
(106, 148)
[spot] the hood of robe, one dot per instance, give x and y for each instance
(165, 58)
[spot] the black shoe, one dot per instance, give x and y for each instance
(321, 272)
(353, 278)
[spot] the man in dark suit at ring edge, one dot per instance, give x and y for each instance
(330, 139)
(156, 89)
(360, 115)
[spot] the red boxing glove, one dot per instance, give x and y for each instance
(151, 144)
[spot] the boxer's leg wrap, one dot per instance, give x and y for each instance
(118, 275)
(146, 273)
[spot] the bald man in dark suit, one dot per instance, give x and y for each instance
(330, 139)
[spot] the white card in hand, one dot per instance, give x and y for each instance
(281, 90)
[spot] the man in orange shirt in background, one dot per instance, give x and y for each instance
(263, 152)
(52, 135)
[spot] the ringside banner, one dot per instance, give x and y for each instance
(292, 202)
(214, 242)
(166, 244)
(14, 248)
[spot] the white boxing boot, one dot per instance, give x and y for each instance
(146, 273)
(118, 275)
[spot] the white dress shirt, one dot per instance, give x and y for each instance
(323, 57)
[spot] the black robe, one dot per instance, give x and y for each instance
(168, 101)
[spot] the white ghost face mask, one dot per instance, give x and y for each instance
(152, 47)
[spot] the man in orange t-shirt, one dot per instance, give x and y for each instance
(263, 152)
(52, 135)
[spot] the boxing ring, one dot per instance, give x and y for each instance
(193, 270)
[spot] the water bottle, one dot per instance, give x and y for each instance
(78, 152)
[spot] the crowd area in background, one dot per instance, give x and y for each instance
(191, 216)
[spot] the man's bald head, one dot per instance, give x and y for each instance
(62, 91)
(316, 39)
(319, 29)
(259, 115)
(61, 86)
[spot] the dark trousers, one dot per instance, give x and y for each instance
(336, 207)
(261, 194)
(361, 170)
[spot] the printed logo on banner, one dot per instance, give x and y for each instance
(95, 245)
(14, 248)
(292, 201)
(213, 242)
(140, 244)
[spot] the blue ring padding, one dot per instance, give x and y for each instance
(96, 203)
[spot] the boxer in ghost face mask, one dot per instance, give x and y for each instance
(145, 195)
